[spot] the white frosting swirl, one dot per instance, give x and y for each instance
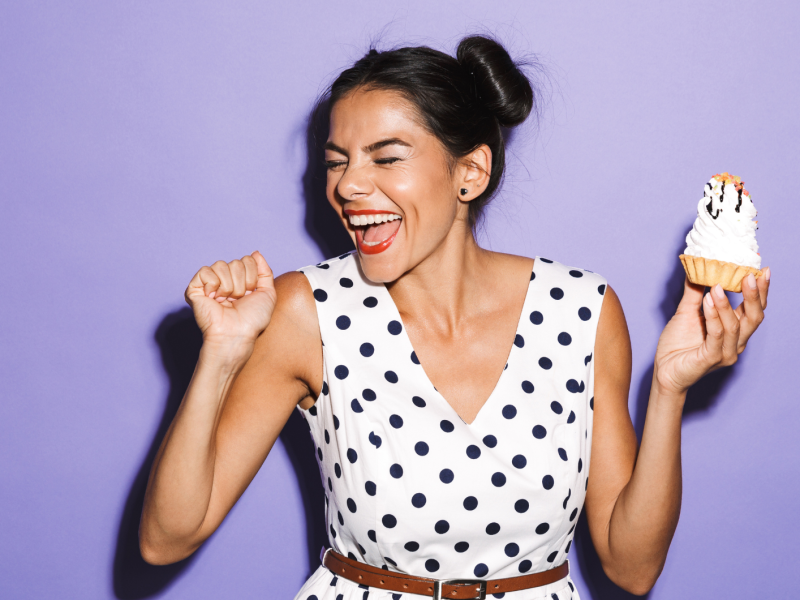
(724, 229)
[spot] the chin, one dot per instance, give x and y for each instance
(382, 268)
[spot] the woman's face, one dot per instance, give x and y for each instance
(390, 182)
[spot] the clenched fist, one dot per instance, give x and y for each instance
(233, 302)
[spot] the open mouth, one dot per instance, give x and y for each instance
(375, 229)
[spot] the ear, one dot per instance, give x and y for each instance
(473, 173)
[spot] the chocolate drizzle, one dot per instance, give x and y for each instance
(739, 204)
(711, 202)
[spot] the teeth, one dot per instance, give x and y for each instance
(358, 220)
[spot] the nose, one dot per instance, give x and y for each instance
(355, 184)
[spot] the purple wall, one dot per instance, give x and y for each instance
(141, 140)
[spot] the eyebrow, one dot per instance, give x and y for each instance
(371, 148)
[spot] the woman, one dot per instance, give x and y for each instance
(455, 395)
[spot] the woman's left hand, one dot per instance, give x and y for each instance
(707, 333)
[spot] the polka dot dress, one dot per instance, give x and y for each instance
(409, 486)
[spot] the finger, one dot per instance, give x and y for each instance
(237, 275)
(225, 280)
(712, 346)
(692, 297)
(751, 313)
(205, 282)
(730, 325)
(250, 273)
(265, 278)
(763, 286)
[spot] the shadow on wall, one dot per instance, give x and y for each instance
(699, 399)
(179, 340)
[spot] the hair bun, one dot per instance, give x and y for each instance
(500, 85)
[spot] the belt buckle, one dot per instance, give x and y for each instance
(438, 583)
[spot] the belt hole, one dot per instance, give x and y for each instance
(361, 577)
(383, 582)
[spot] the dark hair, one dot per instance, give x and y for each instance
(464, 101)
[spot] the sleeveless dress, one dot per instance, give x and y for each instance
(409, 486)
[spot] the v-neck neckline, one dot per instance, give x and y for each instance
(499, 381)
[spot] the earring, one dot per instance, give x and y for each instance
(464, 191)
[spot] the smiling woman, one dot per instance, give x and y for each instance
(456, 396)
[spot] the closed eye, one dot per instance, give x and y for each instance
(387, 161)
(334, 164)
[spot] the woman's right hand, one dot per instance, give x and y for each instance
(233, 303)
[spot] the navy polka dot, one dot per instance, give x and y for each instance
(356, 406)
(552, 556)
(446, 426)
(414, 358)
(580, 464)
(370, 302)
(418, 401)
(571, 417)
(345, 282)
(509, 411)
(375, 440)
(389, 521)
(313, 410)
(584, 313)
(367, 350)
(547, 482)
(564, 338)
(498, 480)
(562, 453)
(337, 470)
(319, 453)
(473, 451)
(421, 448)
(490, 441)
(527, 387)
(371, 535)
(533, 276)
(556, 407)
(343, 322)
(574, 387)
(333, 531)
(587, 359)
(511, 550)
(546, 260)
(323, 266)
(461, 547)
(335, 422)
(325, 388)
(320, 295)
(431, 565)
(601, 289)
(480, 570)
(368, 395)
(521, 506)
(395, 327)
(352, 455)
(441, 527)
(575, 273)
(537, 318)
(573, 514)
(418, 500)
(519, 461)
(542, 528)
(525, 566)
(446, 476)
(493, 528)
(396, 421)
(411, 546)
(327, 437)
(351, 506)
(470, 503)
(390, 376)
(545, 363)
(556, 293)
(519, 341)
(539, 432)
(591, 403)
(341, 372)
(396, 471)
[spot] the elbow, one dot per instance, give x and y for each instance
(160, 554)
(636, 581)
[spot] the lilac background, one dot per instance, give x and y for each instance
(141, 140)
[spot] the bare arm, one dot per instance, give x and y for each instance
(243, 391)
(633, 499)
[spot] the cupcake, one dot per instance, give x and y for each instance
(721, 247)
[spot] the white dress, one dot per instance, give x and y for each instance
(409, 486)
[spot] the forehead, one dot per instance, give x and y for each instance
(366, 113)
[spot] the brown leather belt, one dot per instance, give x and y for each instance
(457, 589)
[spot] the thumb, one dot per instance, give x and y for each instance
(265, 279)
(692, 296)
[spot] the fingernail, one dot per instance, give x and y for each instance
(719, 292)
(247, 293)
(767, 273)
(221, 299)
(709, 300)
(212, 294)
(751, 281)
